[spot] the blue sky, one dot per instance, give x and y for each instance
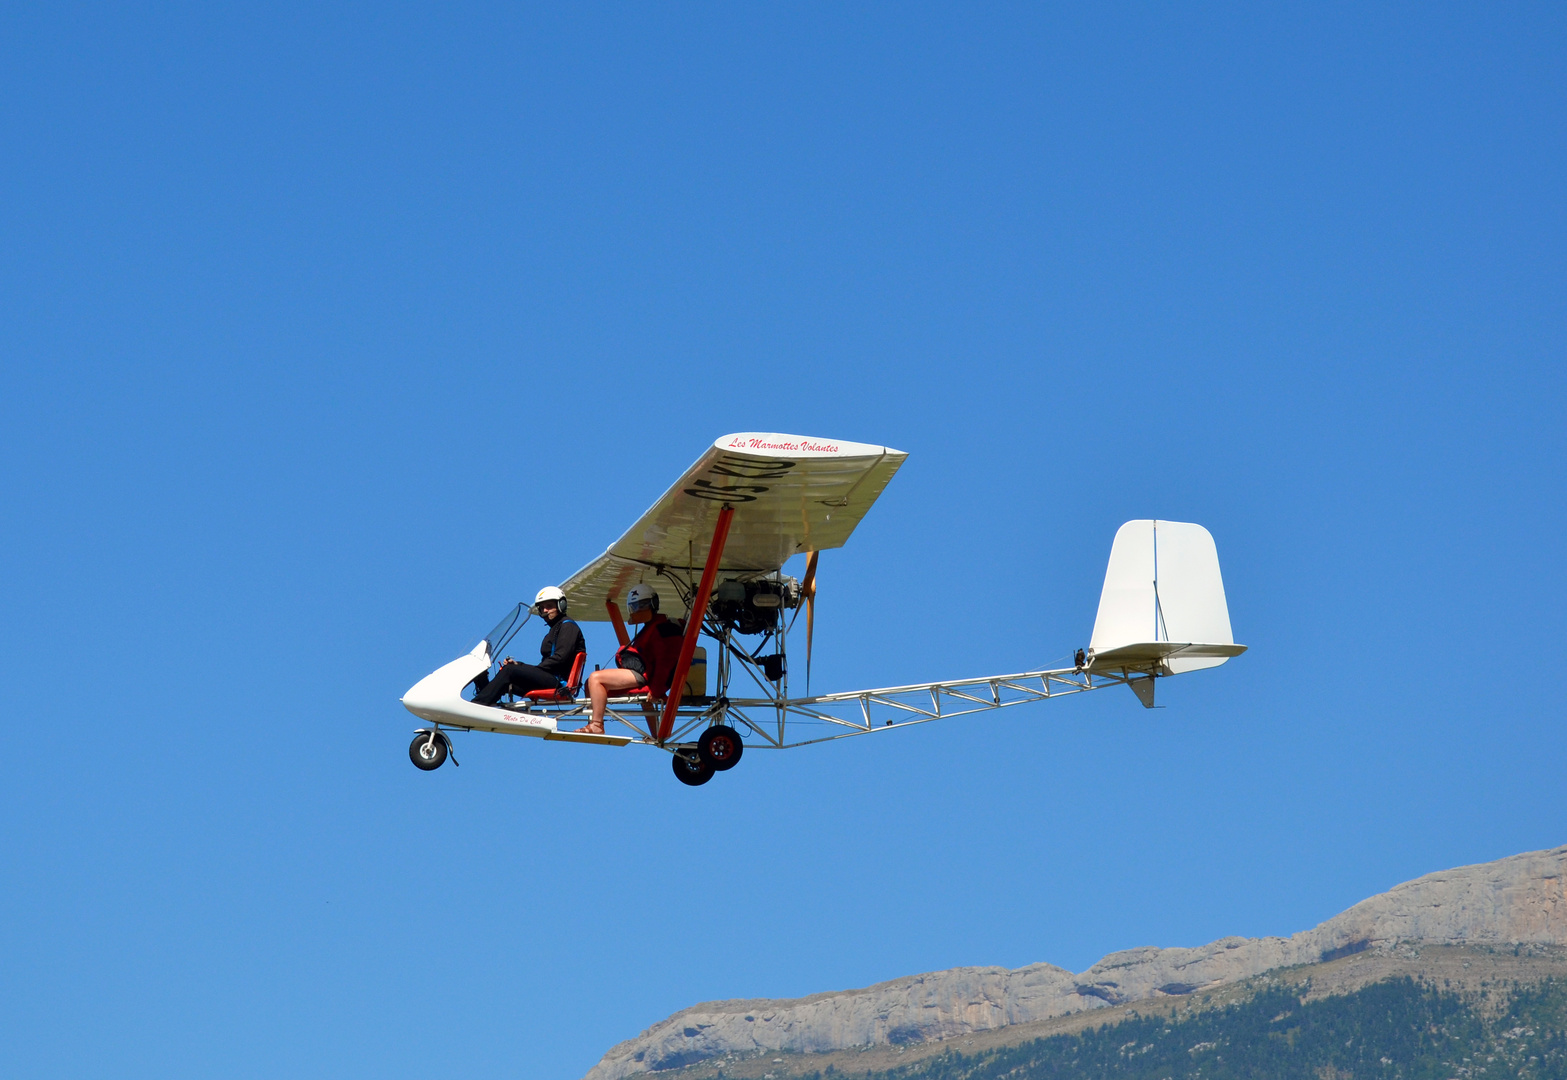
(332, 331)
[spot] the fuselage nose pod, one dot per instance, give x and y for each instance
(438, 696)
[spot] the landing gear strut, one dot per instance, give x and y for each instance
(429, 750)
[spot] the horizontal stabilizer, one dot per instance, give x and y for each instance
(1162, 609)
(1152, 653)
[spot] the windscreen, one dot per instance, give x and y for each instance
(505, 630)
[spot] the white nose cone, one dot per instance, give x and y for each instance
(438, 696)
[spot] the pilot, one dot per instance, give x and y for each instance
(556, 653)
(649, 660)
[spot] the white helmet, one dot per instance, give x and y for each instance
(550, 592)
(640, 594)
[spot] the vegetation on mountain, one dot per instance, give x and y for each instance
(1394, 1030)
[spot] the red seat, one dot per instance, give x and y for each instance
(567, 692)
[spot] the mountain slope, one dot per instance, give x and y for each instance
(1483, 977)
(1521, 899)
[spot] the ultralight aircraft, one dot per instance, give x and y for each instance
(715, 545)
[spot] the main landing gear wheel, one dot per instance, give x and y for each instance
(427, 752)
(691, 768)
(720, 747)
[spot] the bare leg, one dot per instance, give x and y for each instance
(601, 684)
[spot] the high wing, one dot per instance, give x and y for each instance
(790, 493)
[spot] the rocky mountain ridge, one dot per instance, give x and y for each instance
(1520, 899)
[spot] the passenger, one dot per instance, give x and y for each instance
(649, 660)
(557, 651)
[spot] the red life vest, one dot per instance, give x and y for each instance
(657, 645)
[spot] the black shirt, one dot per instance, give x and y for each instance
(560, 646)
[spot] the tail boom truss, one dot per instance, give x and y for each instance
(855, 712)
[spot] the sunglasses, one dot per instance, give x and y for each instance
(641, 605)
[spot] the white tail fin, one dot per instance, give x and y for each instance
(1162, 610)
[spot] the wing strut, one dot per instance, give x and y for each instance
(715, 554)
(625, 639)
(620, 624)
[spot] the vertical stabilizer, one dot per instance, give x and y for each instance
(1142, 686)
(1162, 608)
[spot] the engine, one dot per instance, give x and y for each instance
(754, 607)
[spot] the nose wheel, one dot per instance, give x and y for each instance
(429, 750)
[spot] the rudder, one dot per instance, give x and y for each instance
(1162, 610)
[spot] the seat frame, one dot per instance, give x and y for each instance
(563, 693)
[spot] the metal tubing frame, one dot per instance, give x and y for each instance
(677, 686)
(865, 711)
(868, 711)
(904, 706)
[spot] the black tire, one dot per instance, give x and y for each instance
(720, 747)
(691, 769)
(426, 755)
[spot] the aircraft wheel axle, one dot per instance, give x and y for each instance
(690, 768)
(720, 747)
(428, 750)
